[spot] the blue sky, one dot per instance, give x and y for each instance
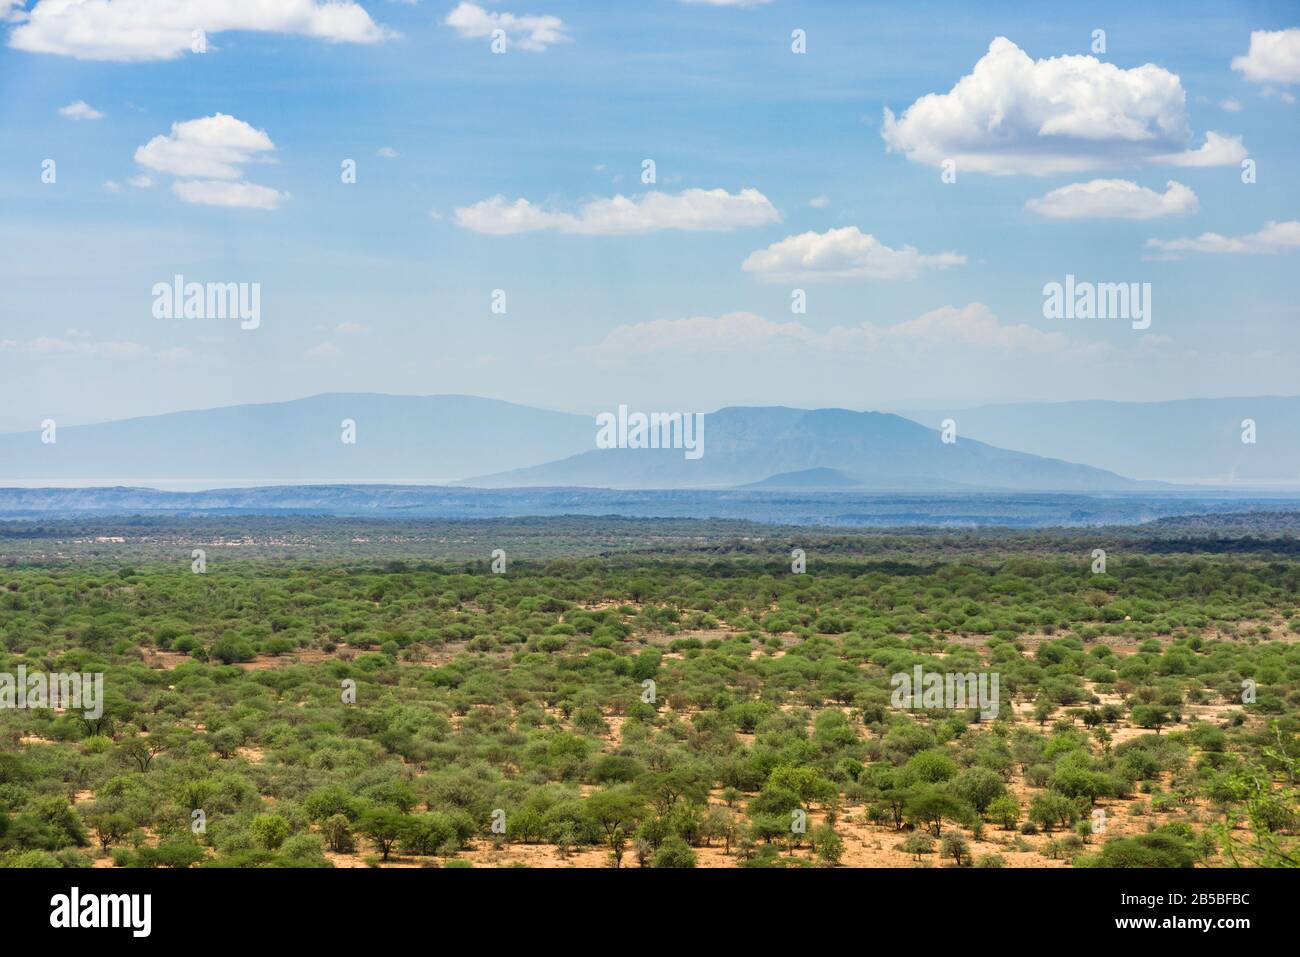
(382, 285)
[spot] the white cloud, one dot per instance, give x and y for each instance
(209, 152)
(324, 352)
(975, 325)
(728, 3)
(350, 328)
(1013, 114)
(691, 210)
(143, 181)
(112, 186)
(1273, 238)
(215, 192)
(387, 152)
(1274, 57)
(1230, 105)
(845, 253)
(80, 110)
(534, 33)
(819, 202)
(212, 147)
(1217, 150)
(133, 30)
(1114, 199)
(971, 326)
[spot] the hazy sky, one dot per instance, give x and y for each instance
(523, 172)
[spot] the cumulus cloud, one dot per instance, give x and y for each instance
(1273, 57)
(127, 30)
(845, 253)
(209, 153)
(973, 326)
(1273, 238)
(1114, 199)
(213, 147)
(80, 110)
(819, 202)
(528, 32)
(215, 192)
(691, 210)
(1217, 150)
(1014, 114)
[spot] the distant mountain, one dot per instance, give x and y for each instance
(486, 443)
(747, 445)
(808, 478)
(836, 479)
(1184, 441)
(419, 439)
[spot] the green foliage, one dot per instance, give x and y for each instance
(523, 694)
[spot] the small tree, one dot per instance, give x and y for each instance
(1050, 810)
(110, 827)
(916, 844)
(674, 852)
(1005, 811)
(269, 830)
(337, 831)
(829, 845)
(385, 826)
(617, 846)
(955, 846)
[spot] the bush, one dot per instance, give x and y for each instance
(269, 831)
(674, 852)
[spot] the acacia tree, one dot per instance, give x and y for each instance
(955, 846)
(385, 826)
(1005, 811)
(140, 751)
(616, 812)
(929, 806)
(110, 827)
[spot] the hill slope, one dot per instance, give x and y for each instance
(399, 439)
(1190, 440)
(748, 445)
